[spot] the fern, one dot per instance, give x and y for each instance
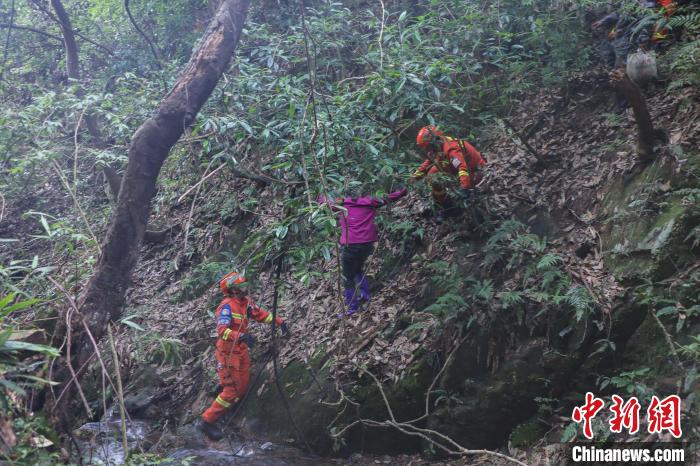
(685, 64)
(482, 290)
(579, 299)
(449, 303)
(548, 261)
(510, 298)
(554, 281)
(529, 242)
(689, 21)
(505, 231)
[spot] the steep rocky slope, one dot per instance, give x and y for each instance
(509, 360)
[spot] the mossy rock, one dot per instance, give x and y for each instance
(647, 222)
(527, 434)
(313, 403)
(482, 411)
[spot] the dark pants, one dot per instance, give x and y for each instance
(353, 258)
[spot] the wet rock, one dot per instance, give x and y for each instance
(101, 442)
(136, 403)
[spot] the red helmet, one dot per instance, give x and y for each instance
(426, 135)
(232, 281)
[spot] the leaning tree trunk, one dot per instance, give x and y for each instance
(646, 137)
(73, 69)
(150, 145)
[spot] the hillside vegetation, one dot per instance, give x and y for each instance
(573, 268)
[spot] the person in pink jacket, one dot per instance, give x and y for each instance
(358, 234)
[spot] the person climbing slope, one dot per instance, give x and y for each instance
(232, 358)
(358, 234)
(623, 33)
(450, 156)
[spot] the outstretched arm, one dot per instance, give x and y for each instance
(261, 315)
(420, 172)
(392, 197)
(333, 204)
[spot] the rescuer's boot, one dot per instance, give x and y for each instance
(210, 430)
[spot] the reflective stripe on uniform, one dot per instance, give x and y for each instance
(418, 174)
(237, 316)
(268, 319)
(227, 333)
(463, 173)
(223, 402)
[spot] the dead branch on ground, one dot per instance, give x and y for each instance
(439, 440)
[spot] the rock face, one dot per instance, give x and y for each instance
(318, 409)
(485, 406)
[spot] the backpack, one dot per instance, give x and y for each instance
(641, 67)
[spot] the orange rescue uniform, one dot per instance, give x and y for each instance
(456, 157)
(233, 360)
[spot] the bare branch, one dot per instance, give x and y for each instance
(7, 41)
(20, 27)
(427, 434)
(154, 50)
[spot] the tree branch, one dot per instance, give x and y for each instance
(646, 134)
(7, 41)
(410, 429)
(154, 50)
(522, 139)
(20, 27)
(72, 64)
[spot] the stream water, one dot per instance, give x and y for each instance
(101, 443)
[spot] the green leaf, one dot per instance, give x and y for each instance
(415, 79)
(131, 324)
(4, 336)
(246, 126)
(666, 311)
(38, 379)
(21, 305)
(281, 231)
(569, 432)
(13, 387)
(24, 346)
(6, 300)
(45, 224)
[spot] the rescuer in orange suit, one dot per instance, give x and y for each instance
(232, 358)
(451, 156)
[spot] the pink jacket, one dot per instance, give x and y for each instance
(357, 226)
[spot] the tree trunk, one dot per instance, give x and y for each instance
(72, 63)
(150, 145)
(647, 136)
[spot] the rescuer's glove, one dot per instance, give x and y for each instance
(248, 339)
(285, 329)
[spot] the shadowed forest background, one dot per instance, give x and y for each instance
(148, 148)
